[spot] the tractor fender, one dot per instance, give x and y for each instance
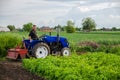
(35, 42)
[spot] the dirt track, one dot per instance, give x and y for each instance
(12, 70)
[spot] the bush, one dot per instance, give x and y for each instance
(91, 44)
(7, 41)
(27, 27)
(106, 42)
(70, 29)
(87, 46)
(73, 47)
(85, 49)
(11, 27)
(101, 46)
(113, 50)
(95, 66)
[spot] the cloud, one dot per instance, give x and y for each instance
(98, 6)
(114, 16)
(53, 12)
(63, 0)
(100, 16)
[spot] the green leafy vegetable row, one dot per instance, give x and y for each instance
(91, 66)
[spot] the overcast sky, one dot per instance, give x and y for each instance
(106, 13)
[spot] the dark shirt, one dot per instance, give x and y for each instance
(33, 34)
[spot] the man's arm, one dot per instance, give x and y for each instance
(29, 36)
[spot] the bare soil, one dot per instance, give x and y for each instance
(13, 70)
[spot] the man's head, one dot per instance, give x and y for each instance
(34, 27)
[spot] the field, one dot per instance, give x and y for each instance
(100, 59)
(101, 41)
(76, 37)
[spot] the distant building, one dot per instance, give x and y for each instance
(46, 29)
(4, 29)
(106, 29)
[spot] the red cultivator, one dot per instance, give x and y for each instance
(16, 53)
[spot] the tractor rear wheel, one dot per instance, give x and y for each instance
(65, 52)
(41, 50)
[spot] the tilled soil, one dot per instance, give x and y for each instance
(12, 70)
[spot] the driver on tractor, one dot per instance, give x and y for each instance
(33, 34)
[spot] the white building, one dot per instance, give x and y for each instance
(4, 29)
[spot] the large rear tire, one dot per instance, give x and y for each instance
(41, 50)
(65, 52)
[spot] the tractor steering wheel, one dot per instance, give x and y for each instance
(42, 36)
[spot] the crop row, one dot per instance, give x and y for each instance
(91, 66)
(101, 46)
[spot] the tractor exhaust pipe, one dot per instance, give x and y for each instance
(58, 35)
(50, 33)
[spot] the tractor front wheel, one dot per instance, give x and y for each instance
(65, 52)
(41, 50)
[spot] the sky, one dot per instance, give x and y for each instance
(106, 13)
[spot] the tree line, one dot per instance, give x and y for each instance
(88, 24)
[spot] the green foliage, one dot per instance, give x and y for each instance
(101, 46)
(70, 28)
(113, 49)
(95, 66)
(70, 23)
(7, 41)
(27, 27)
(78, 29)
(11, 27)
(59, 26)
(73, 47)
(114, 29)
(107, 42)
(88, 24)
(85, 49)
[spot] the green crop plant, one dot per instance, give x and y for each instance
(7, 41)
(90, 66)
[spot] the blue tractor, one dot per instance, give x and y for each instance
(41, 48)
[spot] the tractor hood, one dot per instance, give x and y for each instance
(50, 39)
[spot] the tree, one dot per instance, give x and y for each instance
(19, 29)
(27, 27)
(114, 29)
(70, 27)
(11, 27)
(59, 26)
(78, 29)
(88, 24)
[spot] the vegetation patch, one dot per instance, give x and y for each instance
(7, 41)
(100, 46)
(91, 66)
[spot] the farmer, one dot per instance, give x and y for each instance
(33, 34)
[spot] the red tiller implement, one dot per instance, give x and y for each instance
(17, 53)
